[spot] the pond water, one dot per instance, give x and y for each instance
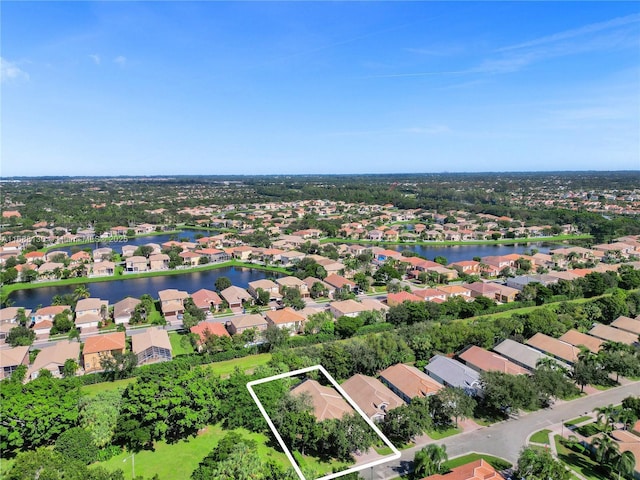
(116, 290)
(456, 253)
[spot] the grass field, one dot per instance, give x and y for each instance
(497, 463)
(582, 464)
(178, 460)
(590, 429)
(176, 345)
(440, 434)
(245, 364)
(105, 386)
(541, 437)
(577, 421)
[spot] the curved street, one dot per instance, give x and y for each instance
(506, 439)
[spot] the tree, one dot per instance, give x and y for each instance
(606, 450)
(98, 414)
(457, 403)
(263, 297)
(428, 461)
(624, 464)
(62, 322)
(222, 283)
(276, 336)
(118, 365)
(20, 336)
(441, 260)
(535, 463)
(81, 291)
(70, 368)
(292, 298)
(318, 289)
(76, 444)
(347, 326)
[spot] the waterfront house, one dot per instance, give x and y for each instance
(235, 297)
(206, 300)
(159, 261)
(137, 264)
(123, 309)
(172, 302)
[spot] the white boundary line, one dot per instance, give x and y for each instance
(395, 455)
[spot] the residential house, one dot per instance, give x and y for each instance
(506, 294)
(243, 253)
(268, 286)
(53, 358)
(477, 470)
(10, 314)
(172, 302)
(627, 324)
(204, 329)
(291, 258)
(483, 289)
(452, 373)
(467, 267)
(613, 334)
(352, 308)
(311, 281)
(237, 325)
(483, 360)
(520, 354)
(190, 258)
(326, 401)
(372, 396)
(123, 309)
(431, 295)
(206, 300)
(101, 347)
(398, 298)
(286, 318)
(159, 261)
(48, 313)
(152, 345)
(556, 348)
(521, 281)
(214, 255)
(50, 270)
(137, 264)
(42, 328)
(293, 282)
(576, 338)
(455, 291)
(102, 254)
(235, 296)
(129, 250)
(11, 359)
(90, 312)
(408, 382)
(103, 269)
(340, 284)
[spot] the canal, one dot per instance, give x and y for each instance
(116, 290)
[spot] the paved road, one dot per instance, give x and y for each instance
(506, 439)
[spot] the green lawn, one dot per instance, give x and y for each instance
(178, 460)
(541, 437)
(582, 464)
(577, 421)
(317, 466)
(105, 386)
(497, 463)
(590, 429)
(245, 364)
(176, 344)
(440, 434)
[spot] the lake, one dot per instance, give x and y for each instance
(456, 253)
(190, 235)
(116, 290)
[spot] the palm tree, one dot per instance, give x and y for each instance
(81, 291)
(625, 464)
(626, 417)
(606, 449)
(607, 415)
(429, 460)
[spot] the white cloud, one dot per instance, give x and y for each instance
(10, 71)
(577, 32)
(96, 58)
(431, 130)
(120, 60)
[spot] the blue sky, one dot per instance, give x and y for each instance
(148, 88)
